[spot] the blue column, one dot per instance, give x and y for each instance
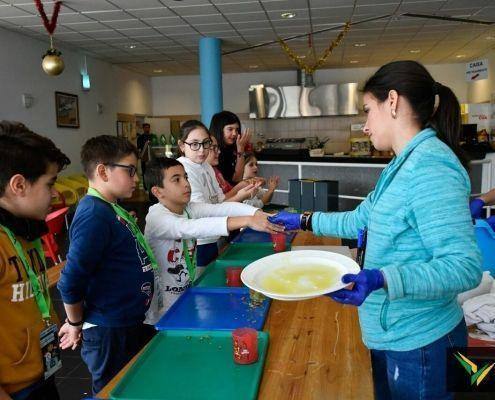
(210, 75)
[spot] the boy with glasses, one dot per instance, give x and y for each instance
(107, 283)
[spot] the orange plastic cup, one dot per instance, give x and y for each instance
(278, 240)
(245, 345)
(233, 276)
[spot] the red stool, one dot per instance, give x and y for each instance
(55, 221)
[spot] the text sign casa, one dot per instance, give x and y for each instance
(477, 70)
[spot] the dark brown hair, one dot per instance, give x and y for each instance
(413, 81)
(27, 153)
(155, 171)
(104, 149)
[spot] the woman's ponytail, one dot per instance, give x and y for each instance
(433, 104)
(446, 119)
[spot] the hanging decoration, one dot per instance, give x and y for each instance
(52, 63)
(318, 62)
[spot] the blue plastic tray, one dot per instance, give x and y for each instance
(208, 308)
(249, 235)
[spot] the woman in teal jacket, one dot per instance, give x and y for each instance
(421, 251)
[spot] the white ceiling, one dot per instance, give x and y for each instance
(165, 33)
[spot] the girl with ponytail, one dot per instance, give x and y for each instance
(421, 251)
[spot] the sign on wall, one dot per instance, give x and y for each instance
(477, 70)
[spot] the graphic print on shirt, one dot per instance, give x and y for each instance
(143, 257)
(177, 262)
(147, 287)
(22, 289)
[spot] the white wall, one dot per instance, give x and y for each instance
(179, 95)
(20, 72)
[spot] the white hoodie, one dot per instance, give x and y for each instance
(164, 232)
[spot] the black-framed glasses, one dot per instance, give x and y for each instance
(215, 147)
(195, 146)
(131, 168)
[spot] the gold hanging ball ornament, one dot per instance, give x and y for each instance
(52, 63)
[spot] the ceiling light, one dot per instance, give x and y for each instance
(158, 71)
(303, 56)
(415, 51)
(132, 46)
(353, 61)
(490, 38)
(460, 56)
(288, 15)
(359, 44)
(254, 66)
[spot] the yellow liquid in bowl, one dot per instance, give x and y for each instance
(299, 280)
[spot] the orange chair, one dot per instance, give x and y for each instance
(55, 221)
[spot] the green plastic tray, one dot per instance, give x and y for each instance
(246, 253)
(214, 275)
(191, 365)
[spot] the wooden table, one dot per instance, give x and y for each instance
(315, 349)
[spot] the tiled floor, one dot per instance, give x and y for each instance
(73, 380)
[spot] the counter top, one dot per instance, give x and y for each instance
(325, 158)
(315, 348)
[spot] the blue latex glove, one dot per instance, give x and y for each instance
(364, 283)
(290, 221)
(476, 208)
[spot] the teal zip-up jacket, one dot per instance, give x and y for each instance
(420, 235)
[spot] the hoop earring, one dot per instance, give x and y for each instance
(394, 114)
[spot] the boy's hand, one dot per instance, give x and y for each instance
(70, 336)
(259, 222)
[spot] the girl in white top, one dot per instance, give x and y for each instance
(195, 143)
(261, 197)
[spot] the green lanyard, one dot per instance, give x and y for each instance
(191, 264)
(40, 292)
(131, 222)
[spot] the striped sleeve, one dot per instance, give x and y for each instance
(438, 201)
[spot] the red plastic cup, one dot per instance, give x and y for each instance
(245, 345)
(233, 276)
(278, 240)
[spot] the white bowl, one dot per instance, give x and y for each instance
(255, 272)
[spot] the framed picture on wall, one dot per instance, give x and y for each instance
(67, 109)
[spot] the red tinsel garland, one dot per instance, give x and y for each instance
(49, 25)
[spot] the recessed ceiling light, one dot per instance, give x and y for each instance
(490, 38)
(132, 46)
(288, 15)
(353, 61)
(415, 51)
(359, 44)
(460, 56)
(254, 66)
(303, 56)
(158, 71)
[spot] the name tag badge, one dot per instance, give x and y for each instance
(50, 350)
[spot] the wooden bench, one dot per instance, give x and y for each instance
(53, 273)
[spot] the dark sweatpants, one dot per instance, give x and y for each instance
(107, 350)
